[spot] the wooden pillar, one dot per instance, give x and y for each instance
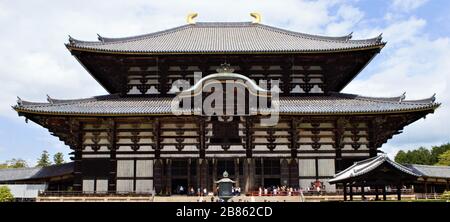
(384, 192)
(447, 185)
(214, 176)
(247, 175)
(426, 187)
(77, 178)
(202, 138)
(351, 193)
(163, 86)
(284, 172)
(345, 191)
(376, 194)
(262, 172)
(112, 160)
(236, 172)
(199, 174)
(249, 137)
(189, 184)
(294, 138)
(157, 138)
(399, 192)
(158, 175)
(287, 70)
(363, 196)
(169, 176)
(293, 173)
(372, 152)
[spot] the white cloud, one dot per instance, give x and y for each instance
(414, 63)
(346, 18)
(407, 5)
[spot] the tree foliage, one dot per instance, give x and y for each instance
(58, 158)
(5, 194)
(444, 159)
(436, 151)
(44, 160)
(14, 163)
(422, 155)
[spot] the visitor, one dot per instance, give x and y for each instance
(205, 192)
(260, 191)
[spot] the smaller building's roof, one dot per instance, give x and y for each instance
(35, 173)
(335, 103)
(431, 171)
(224, 37)
(365, 166)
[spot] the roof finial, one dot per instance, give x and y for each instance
(402, 97)
(71, 40)
(190, 18)
(99, 37)
(433, 98)
(256, 17)
(19, 101)
(49, 99)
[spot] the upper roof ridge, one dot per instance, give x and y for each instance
(281, 40)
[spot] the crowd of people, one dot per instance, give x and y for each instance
(315, 187)
(191, 191)
(277, 190)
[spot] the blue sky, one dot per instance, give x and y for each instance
(34, 61)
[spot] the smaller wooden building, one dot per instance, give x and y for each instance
(26, 183)
(379, 173)
(433, 179)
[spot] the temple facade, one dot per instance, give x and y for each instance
(132, 141)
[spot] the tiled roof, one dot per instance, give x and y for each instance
(35, 173)
(335, 103)
(431, 171)
(224, 37)
(365, 166)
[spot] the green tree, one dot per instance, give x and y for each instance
(5, 194)
(44, 160)
(444, 159)
(58, 158)
(401, 157)
(420, 156)
(438, 150)
(16, 163)
(3, 165)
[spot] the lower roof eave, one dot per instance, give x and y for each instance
(24, 112)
